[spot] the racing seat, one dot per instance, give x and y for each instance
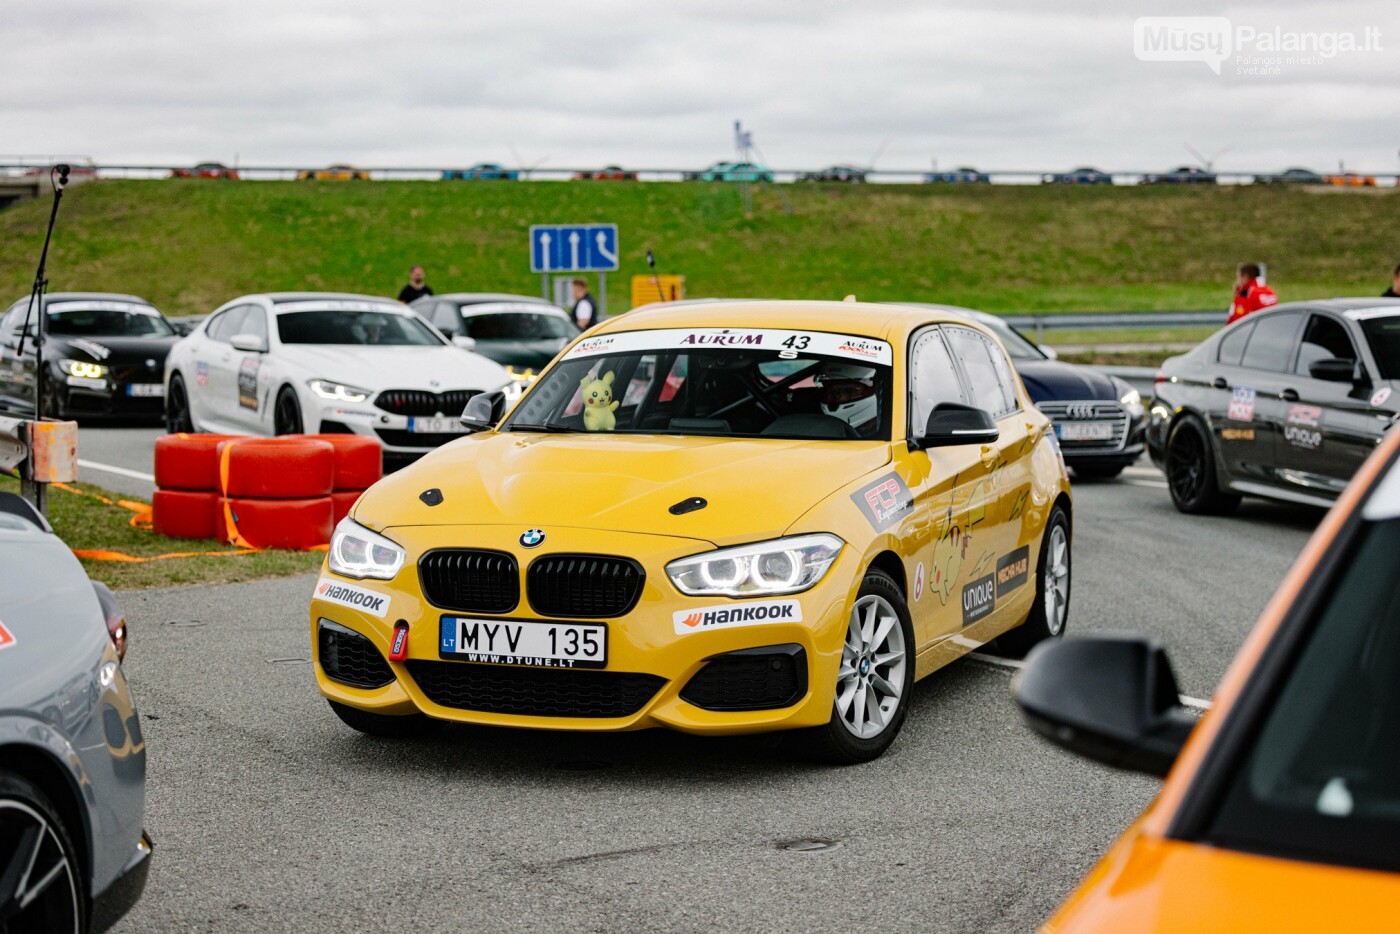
(811, 425)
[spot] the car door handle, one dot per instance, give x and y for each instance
(1220, 383)
(1289, 395)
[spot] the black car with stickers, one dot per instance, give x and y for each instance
(1284, 403)
(104, 355)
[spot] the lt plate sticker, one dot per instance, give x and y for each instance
(885, 501)
(788, 343)
(355, 597)
(730, 615)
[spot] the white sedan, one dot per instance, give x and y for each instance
(291, 362)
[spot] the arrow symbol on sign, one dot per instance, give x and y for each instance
(545, 240)
(573, 248)
(602, 241)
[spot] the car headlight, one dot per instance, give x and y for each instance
(1129, 398)
(780, 566)
(337, 392)
(83, 369)
(359, 553)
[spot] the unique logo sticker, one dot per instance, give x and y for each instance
(1380, 395)
(7, 638)
(979, 598)
(919, 582)
(531, 537)
(1301, 428)
(248, 382)
(885, 501)
(1242, 404)
(1237, 434)
(731, 615)
(1012, 570)
(201, 373)
(353, 596)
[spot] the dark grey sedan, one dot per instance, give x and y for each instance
(73, 855)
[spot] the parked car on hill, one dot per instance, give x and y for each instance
(732, 172)
(334, 173)
(1182, 175)
(482, 171)
(963, 175)
(835, 173)
(611, 173)
(207, 170)
(1293, 176)
(1080, 176)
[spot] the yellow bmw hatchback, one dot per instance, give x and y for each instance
(717, 518)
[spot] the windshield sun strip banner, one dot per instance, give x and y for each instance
(342, 305)
(128, 307)
(795, 343)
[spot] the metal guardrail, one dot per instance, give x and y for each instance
(1116, 321)
(14, 444)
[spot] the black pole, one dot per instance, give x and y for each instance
(651, 262)
(36, 294)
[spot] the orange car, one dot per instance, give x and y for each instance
(1281, 806)
(1351, 180)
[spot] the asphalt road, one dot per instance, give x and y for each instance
(118, 458)
(268, 814)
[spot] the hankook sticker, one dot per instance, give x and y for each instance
(885, 501)
(353, 596)
(728, 616)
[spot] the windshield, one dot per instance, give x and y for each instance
(720, 382)
(354, 327)
(1017, 346)
(102, 322)
(518, 326)
(1383, 334)
(1322, 781)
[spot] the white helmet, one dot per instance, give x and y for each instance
(848, 393)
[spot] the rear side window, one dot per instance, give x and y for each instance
(1271, 345)
(1324, 339)
(226, 323)
(1231, 350)
(984, 383)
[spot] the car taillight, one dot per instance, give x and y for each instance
(1160, 378)
(116, 628)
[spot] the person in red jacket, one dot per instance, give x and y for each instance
(1250, 293)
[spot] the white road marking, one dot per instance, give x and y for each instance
(119, 471)
(1155, 484)
(1015, 665)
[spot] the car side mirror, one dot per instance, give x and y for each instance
(1050, 352)
(463, 341)
(1110, 698)
(183, 328)
(1333, 370)
(252, 343)
(484, 410)
(952, 423)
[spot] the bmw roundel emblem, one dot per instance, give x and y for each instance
(531, 537)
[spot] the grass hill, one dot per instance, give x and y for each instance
(191, 245)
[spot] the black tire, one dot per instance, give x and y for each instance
(177, 407)
(1191, 474)
(1096, 471)
(837, 742)
(1050, 612)
(286, 413)
(31, 829)
(383, 725)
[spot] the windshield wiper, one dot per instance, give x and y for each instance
(550, 429)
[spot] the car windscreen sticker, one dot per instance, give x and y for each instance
(92, 348)
(1242, 404)
(248, 382)
(353, 596)
(979, 598)
(730, 615)
(791, 343)
(1301, 428)
(1380, 395)
(7, 638)
(342, 305)
(1012, 570)
(127, 307)
(885, 501)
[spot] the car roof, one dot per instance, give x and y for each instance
(481, 309)
(278, 298)
(476, 298)
(864, 319)
(94, 296)
(1354, 308)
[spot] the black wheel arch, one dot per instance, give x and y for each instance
(44, 770)
(892, 566)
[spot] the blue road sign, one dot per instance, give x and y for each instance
(573, 248)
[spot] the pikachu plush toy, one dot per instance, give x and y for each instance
(598, 403)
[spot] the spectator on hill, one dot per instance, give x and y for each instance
(417, 287)
(1394, 290)
(585, 308)
(1250, 293)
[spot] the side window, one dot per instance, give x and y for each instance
(226, 323)
(1006, 377)
(254, 322)
(1272, 343)
(1323, 339)
(446, 317)
(932, 377)
(983, 384)
(1231, 349)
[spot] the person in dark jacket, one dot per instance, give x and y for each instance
(585, 308)
(1394, 290)
(417, 286)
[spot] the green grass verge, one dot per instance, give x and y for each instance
(191, 245)
(85, 523)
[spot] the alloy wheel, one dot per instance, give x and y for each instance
(1186, 467)
(870, 681)
(38, 882)
(1057, 581)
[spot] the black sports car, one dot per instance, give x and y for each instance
(104, 355)
(1284, 403)
(520, 332)
(1099, 419)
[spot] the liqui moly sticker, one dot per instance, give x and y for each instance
(353, 596)
(731, 615)
(789, 344)
(1242, 404)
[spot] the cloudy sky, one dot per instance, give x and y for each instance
(1000, 84)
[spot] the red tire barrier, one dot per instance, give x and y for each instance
(291, 467)
(186, 514)
(359, 461)
(188, 462)
(343, 500)
(280, 523)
